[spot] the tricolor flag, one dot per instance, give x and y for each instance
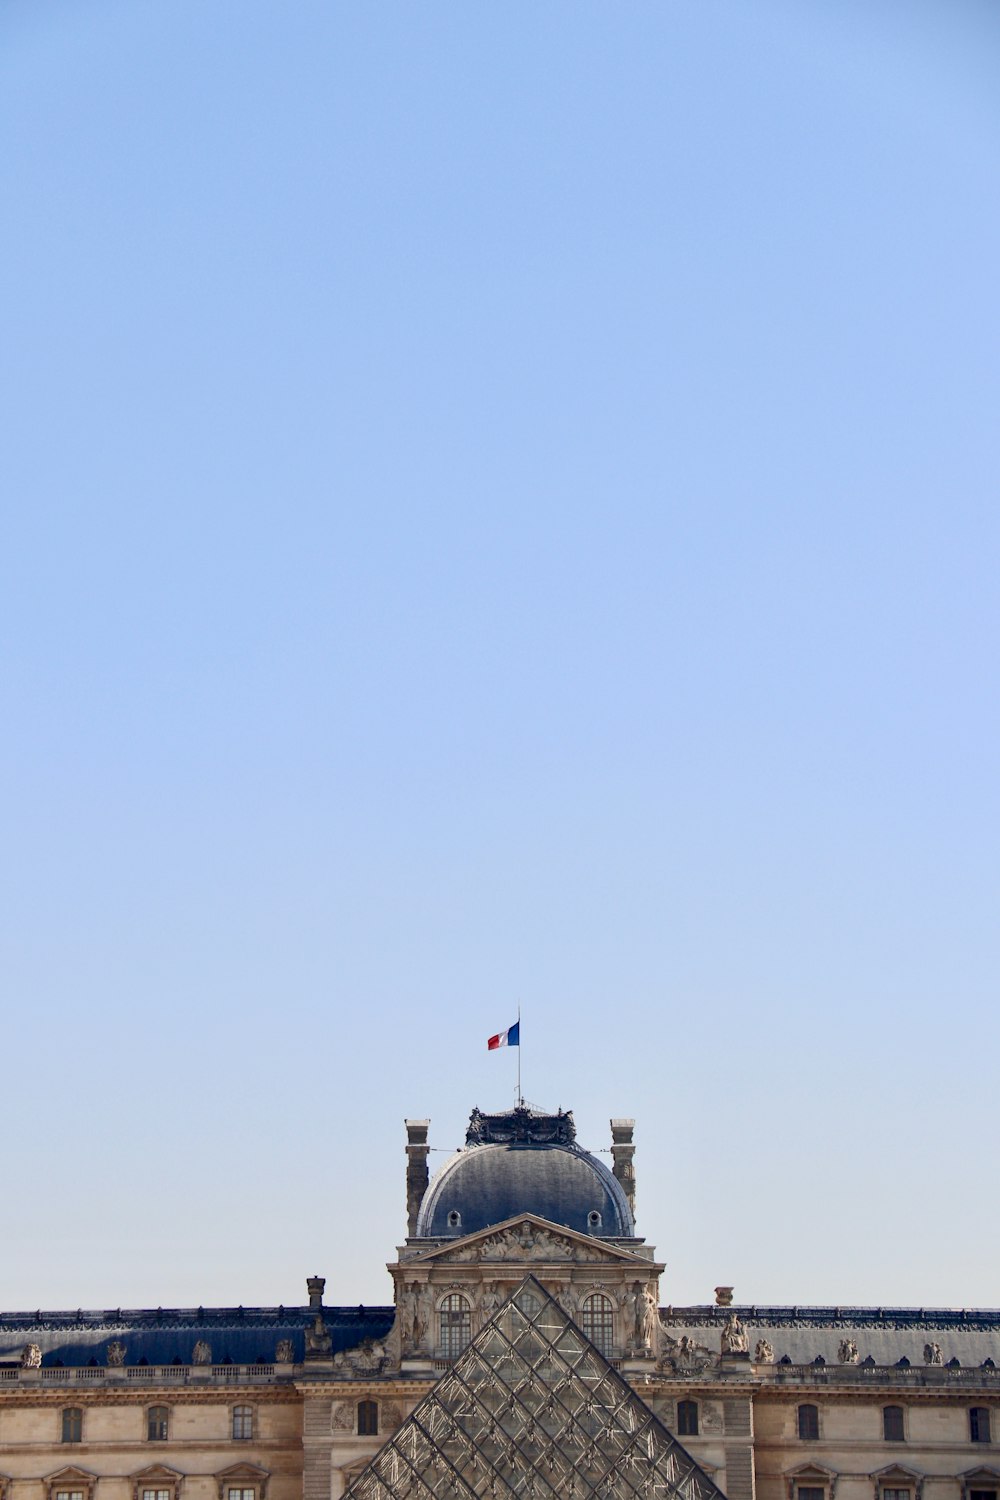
(509, 1038)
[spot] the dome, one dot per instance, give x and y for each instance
(523, 1162)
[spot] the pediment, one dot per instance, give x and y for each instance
(71, 1476)
(156, 1474)
(805, 1472)
(529, 1239)
(243, 1476)
(900, 1472)
(985, 1472)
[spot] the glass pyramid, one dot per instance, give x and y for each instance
(532, 1409)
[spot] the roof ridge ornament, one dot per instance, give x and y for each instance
(521, 1126)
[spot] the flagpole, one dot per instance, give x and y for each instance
(520, 1096)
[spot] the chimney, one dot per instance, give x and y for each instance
(622, 1150)
(416, 1170)
(315, 1285)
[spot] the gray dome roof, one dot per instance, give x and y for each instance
(486, 1184)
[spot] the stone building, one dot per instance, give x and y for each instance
(528, 1353)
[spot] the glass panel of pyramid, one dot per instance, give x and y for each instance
(532, 1409)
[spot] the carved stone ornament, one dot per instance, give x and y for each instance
(847, 1352)
(202, 1353)
(116, 1354)
(683, 1356)
(389, 1416)
(764, 1352)
(521, 1125)
(284, 1352)
(734, 1337)
(342, 1417)
(367, 1358)
(932, 1354)
(31, 1357)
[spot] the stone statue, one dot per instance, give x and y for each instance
(932, 1354)
(31, 1357)
(567, 1301)
(645, 1315)
(847, 1352)
(764, 1352)
(284, 1352)
(116, 1354)
(489, 1305)
(202, 1353)
(734, 1338)
(318, 1340)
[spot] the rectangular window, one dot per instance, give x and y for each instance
(810, 1491)
(156, 1495)
(687, 1419)
(156, 1424)
(69, 1494)
(72, 1425)
(979, 1424)
(241, 1495)
(243, 1424)
(895, 1495)
(892, 1429)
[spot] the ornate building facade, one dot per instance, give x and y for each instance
(528, 1352)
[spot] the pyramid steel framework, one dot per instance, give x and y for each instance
(532, 1409)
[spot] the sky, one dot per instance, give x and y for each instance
(499, 509)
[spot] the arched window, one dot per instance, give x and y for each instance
(597, 1318)
(687, 1419)
(809, 1423)
(72, 1424)
(156, 1424)
(892, 1424)
(242, 1421)
(368, 1418)
(455, 1322)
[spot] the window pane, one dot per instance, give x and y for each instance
(810, 1492)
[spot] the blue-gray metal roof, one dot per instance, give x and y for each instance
(164, 1336)
(488, 1184)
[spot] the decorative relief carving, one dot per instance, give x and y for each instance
(31, 1357)
(683, 1356)
(711, 1417)
(764, 1352)
(342, 1417)
(116, 1354)
(734, 1337)
(847, 1352)
(284, 1352)
(202, 1354)
(367, 1358)
(390, 1416)
(932, 1354)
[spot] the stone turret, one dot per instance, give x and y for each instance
(417, 1177)
(623, 1152)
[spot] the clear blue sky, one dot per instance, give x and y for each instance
(500, 503)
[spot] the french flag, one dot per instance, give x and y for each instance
(509, 1038)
